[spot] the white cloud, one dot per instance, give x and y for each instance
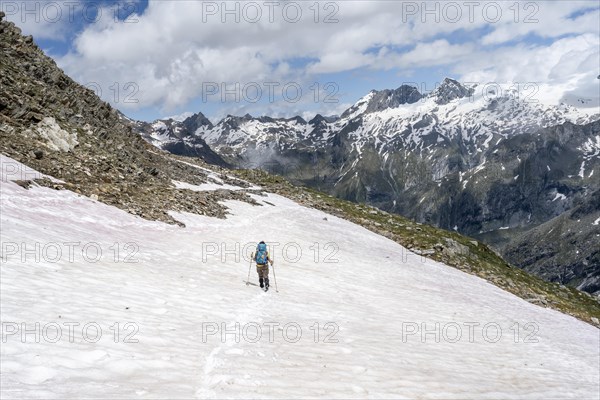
(176, 47)
(547, 20)
(438, 52)
(565, 66)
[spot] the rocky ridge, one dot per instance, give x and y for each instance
(60, 128)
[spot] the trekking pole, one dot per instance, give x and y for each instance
(249, 269)
(275, 277)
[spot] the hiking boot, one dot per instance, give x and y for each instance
(261, 282)
(266, 283)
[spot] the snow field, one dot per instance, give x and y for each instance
(374, 305)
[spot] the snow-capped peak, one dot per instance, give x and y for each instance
(449, 90)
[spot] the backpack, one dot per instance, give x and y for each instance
(261, 254)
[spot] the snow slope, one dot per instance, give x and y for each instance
(182, 286)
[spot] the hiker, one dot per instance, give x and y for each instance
(262, 264)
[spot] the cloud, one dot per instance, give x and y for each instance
(549, 20)
(176, 47)
(564, 66)
(438, 52)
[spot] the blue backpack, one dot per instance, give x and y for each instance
(261, 254)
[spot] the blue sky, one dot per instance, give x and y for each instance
(158, 58)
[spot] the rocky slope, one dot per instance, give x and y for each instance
(52, 124)
(565, 248)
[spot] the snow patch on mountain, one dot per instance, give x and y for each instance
(360, 106)
(582, 170)
(160, 135)
(559, 196)
(591, 148)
